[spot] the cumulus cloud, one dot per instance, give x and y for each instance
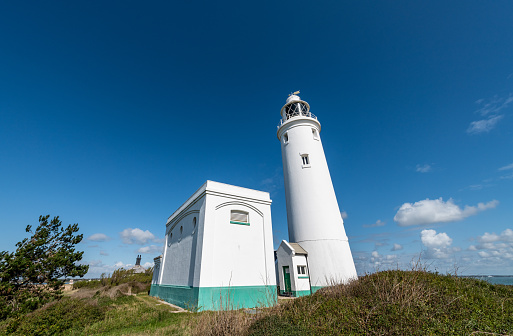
(437, 211)
(148, 264)
(97, 267)
(492, 241)
(431, 239)
(98, 237)
(343, 214)
(397, 247)
(484, 125)
(152, 249)
(423, 168)
(437, 244)
(378, 223)
(137, 236)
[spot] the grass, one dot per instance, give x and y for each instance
(125, 315)
(395, 303)
(384, 303)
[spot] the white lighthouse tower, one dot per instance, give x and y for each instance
(313, 215)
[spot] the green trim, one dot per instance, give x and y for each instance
(296, 293)
(241, 223)
(302, 277)
(316, 288)
(216, 298)
(301, 293)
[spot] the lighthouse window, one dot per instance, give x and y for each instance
(239, 217)
(315, 134)
(169, 239)
(306, 160)
(285, 138)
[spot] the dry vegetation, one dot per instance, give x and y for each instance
(384, 303)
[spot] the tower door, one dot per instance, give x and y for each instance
(286, 278)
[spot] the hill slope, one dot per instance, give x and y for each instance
(396, 303)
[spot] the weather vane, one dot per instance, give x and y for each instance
(294, 93)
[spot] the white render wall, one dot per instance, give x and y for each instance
(218, 253)
(287, 257)
(313, 214)
(238, 255)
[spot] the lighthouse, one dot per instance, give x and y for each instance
(315, 224)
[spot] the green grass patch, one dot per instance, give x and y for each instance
(123, 315)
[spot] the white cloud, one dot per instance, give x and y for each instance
(343, 214)
(137, 236)
(485, 125)
(378, 223)
(488, 240)
(431, 239)
(494, 249)
(423, 168)
(397, 247)
(103, 253)
(98, 237)
(437, 244)
(437, 211)
(493, 105)
(375, 254)
(508, 167)
(148, 264)
(152, 249)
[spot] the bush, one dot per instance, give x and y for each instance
(118, 277)
(395, 303)
(56, 318)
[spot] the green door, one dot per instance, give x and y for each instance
(286, 277)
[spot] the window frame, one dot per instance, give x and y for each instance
(302, 272)
(305, 160)
(239, 212)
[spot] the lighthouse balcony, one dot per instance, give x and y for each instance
(297, 114)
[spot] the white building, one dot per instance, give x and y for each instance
(313, 214)
(218, 252)
(292, 270)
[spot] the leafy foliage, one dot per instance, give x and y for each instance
(33, 274)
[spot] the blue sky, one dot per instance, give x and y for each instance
(113, 113)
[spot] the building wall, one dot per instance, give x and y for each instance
(219, 264)
(179, 261)
(299, 283)
(155, 280)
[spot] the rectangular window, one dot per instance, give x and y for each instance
(301, 270)
(239, 217)
(285, 138)
(306, 160)
(315, 134)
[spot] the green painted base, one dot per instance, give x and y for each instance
(297, 293)
(303, 293)
(316, 288)
(216, 298)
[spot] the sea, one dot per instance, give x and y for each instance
(494, 279)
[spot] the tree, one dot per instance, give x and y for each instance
(34, 274)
